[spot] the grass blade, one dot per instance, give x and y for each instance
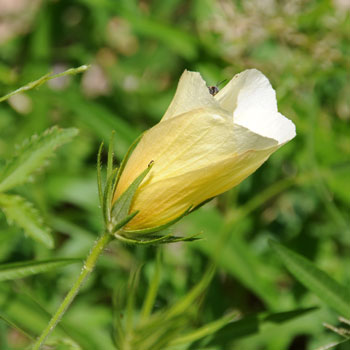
(44, 79)
(152, 289)
(206, 330)
(99, 175)
(27, 268)
(331, 292)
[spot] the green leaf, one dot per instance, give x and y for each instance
(251, 324)
(334, 344)
(44, 79)
(23, 269)
(15, 326)
(23, 214)
(152, 290)
(122, 205)
(206, 330)
(99, 176)
(331, 292)
(33, 155)
(183, 304)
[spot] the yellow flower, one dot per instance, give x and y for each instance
(203, 146)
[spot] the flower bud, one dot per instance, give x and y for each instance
(203, 146)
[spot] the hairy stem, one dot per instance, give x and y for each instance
(88, 267)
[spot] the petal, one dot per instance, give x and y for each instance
(191, 93)
(164, 200)
(197, 155)
(251, 99)
(188, 142)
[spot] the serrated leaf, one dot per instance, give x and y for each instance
(33, 155)
(23, 269)
(23, 214)
(327, 289)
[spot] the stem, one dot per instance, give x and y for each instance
(88, 267)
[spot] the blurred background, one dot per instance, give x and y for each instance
(137, 51)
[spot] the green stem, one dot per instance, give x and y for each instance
(88, 267)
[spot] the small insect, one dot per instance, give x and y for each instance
(213, 90)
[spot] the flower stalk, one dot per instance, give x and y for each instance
(88, 267)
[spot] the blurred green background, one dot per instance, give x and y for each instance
(138, 50)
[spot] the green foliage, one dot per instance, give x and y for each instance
(331, 292)
(43, 80)
(167, 328)
(30, 158)
(33, 155)
(22, 213)
(22, 269)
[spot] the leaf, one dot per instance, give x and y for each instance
(23, 269)
(183, 304)
(332, 345)
(281, 317)
(24, 215)
(44, 79)
(331, 292)
(152, 290)
(15, 326)
(99, 176)
(205, 330)
(33, 155)
(251, 324)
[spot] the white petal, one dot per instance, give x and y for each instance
(191, 93)
(252, 100)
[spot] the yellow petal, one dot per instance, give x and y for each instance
(191, 152)
(191, 93)
(162, 201)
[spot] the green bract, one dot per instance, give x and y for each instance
(117, 215)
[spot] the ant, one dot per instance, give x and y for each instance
(213, 90)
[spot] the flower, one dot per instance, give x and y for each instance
(203, 146)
